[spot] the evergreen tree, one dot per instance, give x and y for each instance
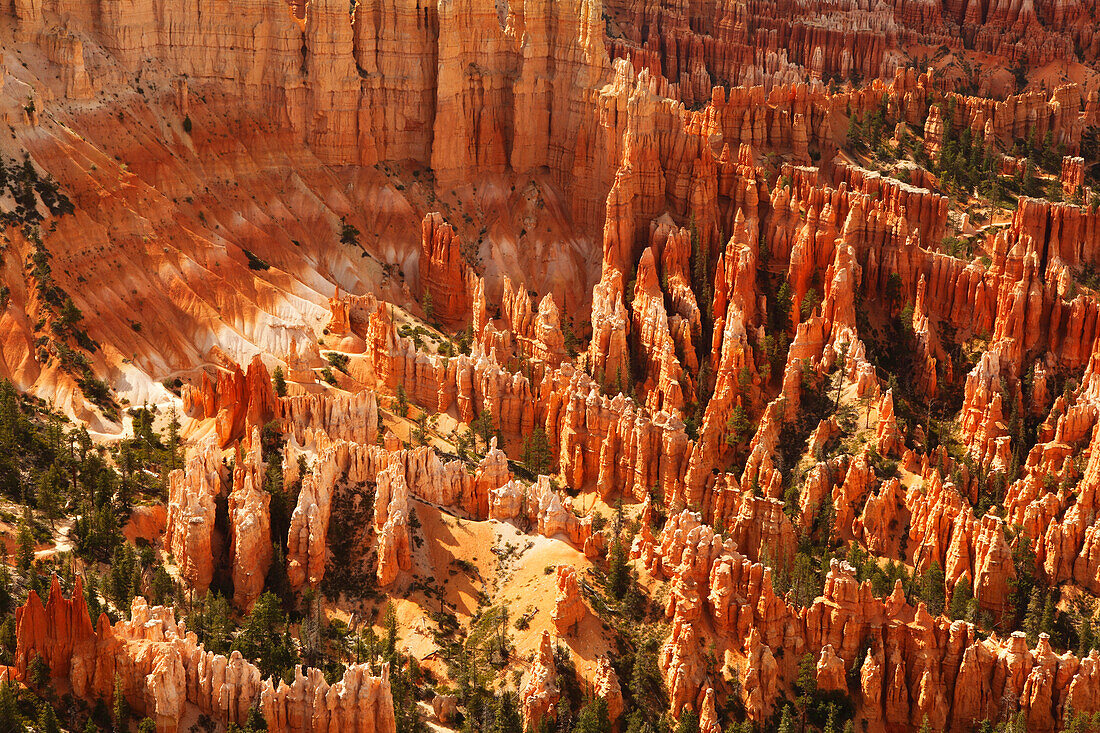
(593, 717)
(1046, 622)
(618, 572)
(962, 598)
(738, 427)
(161, 586)
(7, 602)
(255, 720)
(212, 624)
(349, 233)
(932, 588)
(855, 134)
(506, 715)
(537, 455)
(120, 708)
(38, 673)
(483, 427)
(401, 402)
(48, 497)
(1033, 615)
(1086, 638)
(390, 645)
(260, 640)
(25, 556)
(420, 432)
(786, 720)
(10, 719)
(47, 719)
(91, 596)
(428, 305)
(689, 722)
(806, 684)
(278, 380)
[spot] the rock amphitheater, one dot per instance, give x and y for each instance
(647, 366)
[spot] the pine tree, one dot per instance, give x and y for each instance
(48, 497)
(593, 717)
(1028, 183)
(91, 596)
(428, 305)
(786, 720)
(689, 722)
(738, 427)
(1046, 622)
(349, 233)
(506, 716)
(618, 573)
(932, 588)
(25, 557)
(391, 633)
(961, 599)
(537, 455)
(38, 673)
(278, 380)
(10, 719)
(806, 684)
(161, 586)
(855, 134)
(260, 640)
(420, 432)
(1086, 638)
(48, 719)
(173, 439)
(255, 720)
(401, 402)
(120, 708)
(1033, 616)
(484, 428)
(7, 602)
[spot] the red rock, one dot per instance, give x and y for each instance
(55, 632)
(606, 685)
(250, 526)
(443, 273)
(352, 417)
(569, 607)
(887, 438)
(682, 665)
(238, 401)
(1073, 174)
(540, 694)
(192, 494)
(831, 673)
(653, 340)
(708, 715)
(391, 522)
(759, 684)
(162, 671)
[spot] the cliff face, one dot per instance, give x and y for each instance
(354, 105)
(328, 97)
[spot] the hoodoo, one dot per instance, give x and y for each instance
(610, 366)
